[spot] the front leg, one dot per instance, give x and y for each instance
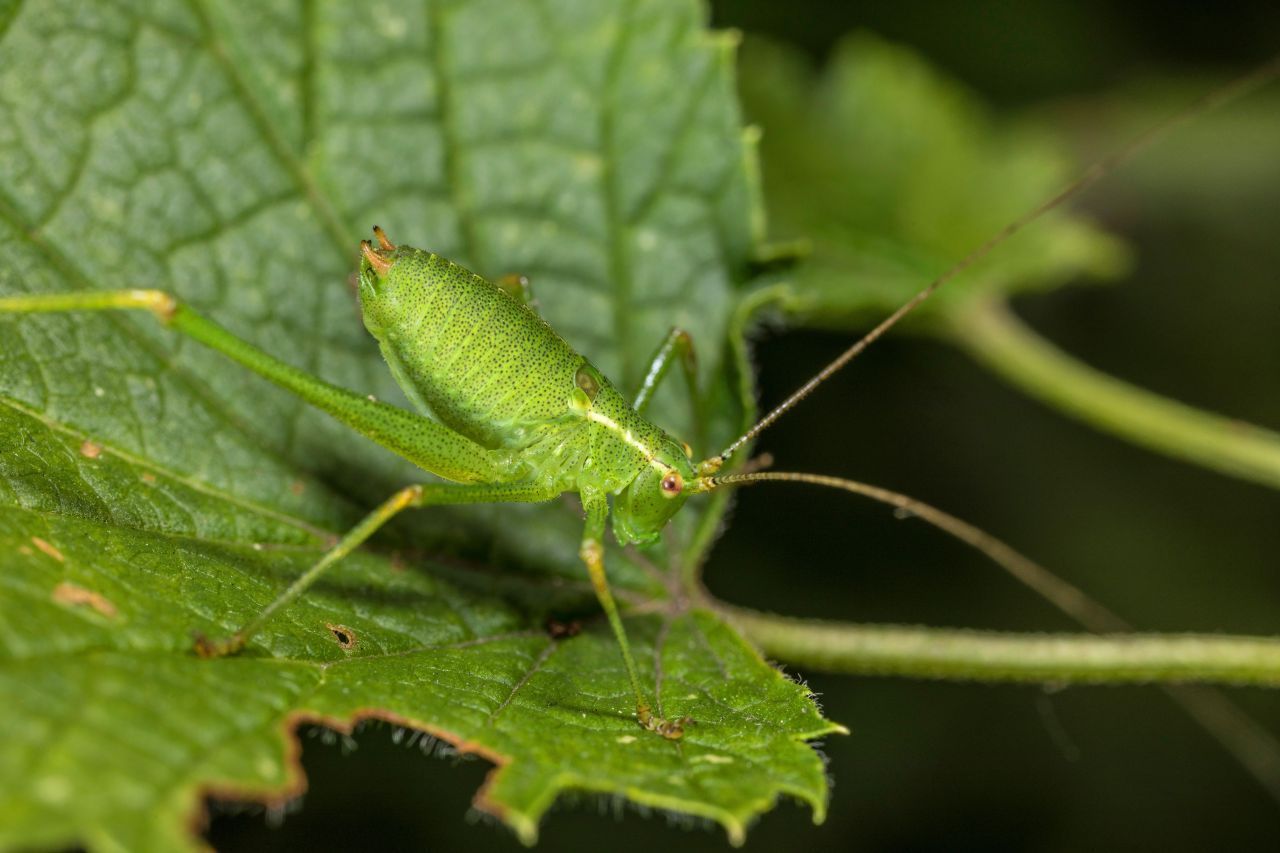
(678, 344)
(592, 553)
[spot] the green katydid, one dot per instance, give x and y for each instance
(519, 415)
(509, 412)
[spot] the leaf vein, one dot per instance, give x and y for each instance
(550, 649)
(449, 134)
(195, 485)
(307, 186)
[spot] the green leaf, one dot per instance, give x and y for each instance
(234, 154)
(894, 173)
(116, 729)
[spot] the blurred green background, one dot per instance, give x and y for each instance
(1168, 546)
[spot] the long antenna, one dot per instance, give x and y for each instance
(1045, 583)
(1235, 89)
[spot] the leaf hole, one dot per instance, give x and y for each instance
(346, 638)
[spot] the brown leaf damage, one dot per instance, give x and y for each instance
(71, 595)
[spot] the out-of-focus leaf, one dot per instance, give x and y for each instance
(895, 173)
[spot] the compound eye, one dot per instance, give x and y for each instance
(672, 485)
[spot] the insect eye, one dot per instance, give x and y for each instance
(672, 484)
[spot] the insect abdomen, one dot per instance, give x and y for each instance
(485, 364)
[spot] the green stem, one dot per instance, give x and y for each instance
(992, 334)
(953, 654)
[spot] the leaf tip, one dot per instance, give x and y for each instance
(735, 830)
(526, 829)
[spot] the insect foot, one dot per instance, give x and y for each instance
(669, 729)
(207, 648)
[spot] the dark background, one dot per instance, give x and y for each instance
(1168, 546)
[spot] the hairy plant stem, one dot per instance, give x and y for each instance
(996, 337)
(963, 655)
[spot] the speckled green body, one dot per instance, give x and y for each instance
(489, 368)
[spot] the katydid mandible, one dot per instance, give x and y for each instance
(509, 412)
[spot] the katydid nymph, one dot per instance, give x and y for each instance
(510, 412)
